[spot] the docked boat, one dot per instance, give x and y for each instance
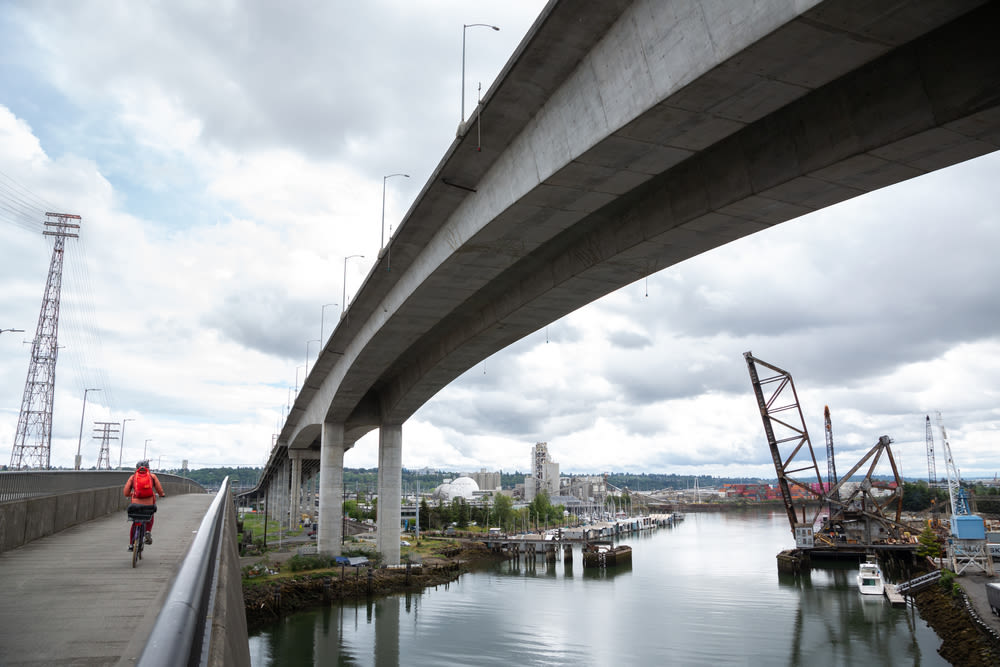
(870, 581)
(606, 554)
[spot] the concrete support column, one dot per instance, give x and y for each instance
(331, 489)
(280, 513)
(296, 513)
(390, 490)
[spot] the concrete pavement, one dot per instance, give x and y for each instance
(73, 598)
(974, 585)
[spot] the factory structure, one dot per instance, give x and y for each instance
(576, 491)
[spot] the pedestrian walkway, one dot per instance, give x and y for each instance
(974, 585)
(73, 598)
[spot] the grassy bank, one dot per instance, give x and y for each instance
(274, 590)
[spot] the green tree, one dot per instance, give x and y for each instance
(503, 510)
(540, 508)
(440, 515)
(425, 514)
(916, 497)
(460, 512)
(929, 544)
(352, 510)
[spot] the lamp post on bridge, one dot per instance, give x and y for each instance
(314, 340)
(464, 28)
(343, 298)
(79, 440)
(381, 244)
(148, 440)
(322, 315)
(121, 443)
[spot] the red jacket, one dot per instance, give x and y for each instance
(157, 488)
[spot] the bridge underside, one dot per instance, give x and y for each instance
(712, 163)
(616, 148)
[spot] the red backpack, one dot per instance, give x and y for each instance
(142, 484)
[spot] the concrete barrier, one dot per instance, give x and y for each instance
(230, 644)
(23, 521)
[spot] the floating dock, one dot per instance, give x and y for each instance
(895, 598)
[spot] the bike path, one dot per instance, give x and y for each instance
(74, 599)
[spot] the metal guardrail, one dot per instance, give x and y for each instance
(914, 585)
(182, 632)
(18, 485)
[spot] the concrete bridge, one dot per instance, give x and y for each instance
(621, 138)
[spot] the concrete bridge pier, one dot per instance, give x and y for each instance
(390, 491)
(331, 489)
(295, 513)
(281, 496)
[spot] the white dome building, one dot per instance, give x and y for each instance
(463, 487)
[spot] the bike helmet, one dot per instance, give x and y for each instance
(142, 464)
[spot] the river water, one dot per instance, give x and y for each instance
(704, 592)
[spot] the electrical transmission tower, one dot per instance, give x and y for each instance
(931, 469)
(33, 441)
(106, 431)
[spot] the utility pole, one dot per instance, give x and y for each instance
(33, 440)
(106, 431)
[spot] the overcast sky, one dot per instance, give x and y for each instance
(226, 158)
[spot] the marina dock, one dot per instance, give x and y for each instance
(895, 598)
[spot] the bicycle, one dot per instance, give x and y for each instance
(139, 515)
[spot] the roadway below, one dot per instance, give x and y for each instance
(73, 598)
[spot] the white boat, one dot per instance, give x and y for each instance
(870, 580)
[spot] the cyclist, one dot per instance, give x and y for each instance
(143, 486)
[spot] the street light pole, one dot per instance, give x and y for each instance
(322, 315)
(381, 244)
(79, 440)
(314, 340)
(148, 440)
(343, 298)
(464, 28)
(121, 443)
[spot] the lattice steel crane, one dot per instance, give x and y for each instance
(831, 467)
(863, 515)
(956, 494)
(931, 470)
(968, 548)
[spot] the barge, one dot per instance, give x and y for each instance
(606, 554)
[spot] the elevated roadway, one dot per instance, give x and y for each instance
(621, 138)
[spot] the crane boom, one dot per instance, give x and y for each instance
(931, 470)
(831, 466)
(956, 495)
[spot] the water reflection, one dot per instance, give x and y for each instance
(706, 592)
(834, 620)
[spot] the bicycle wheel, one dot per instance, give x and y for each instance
(137, 547)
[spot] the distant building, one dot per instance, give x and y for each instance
(487, 481)
(545, 475)
(463, 487)
(587, 489)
